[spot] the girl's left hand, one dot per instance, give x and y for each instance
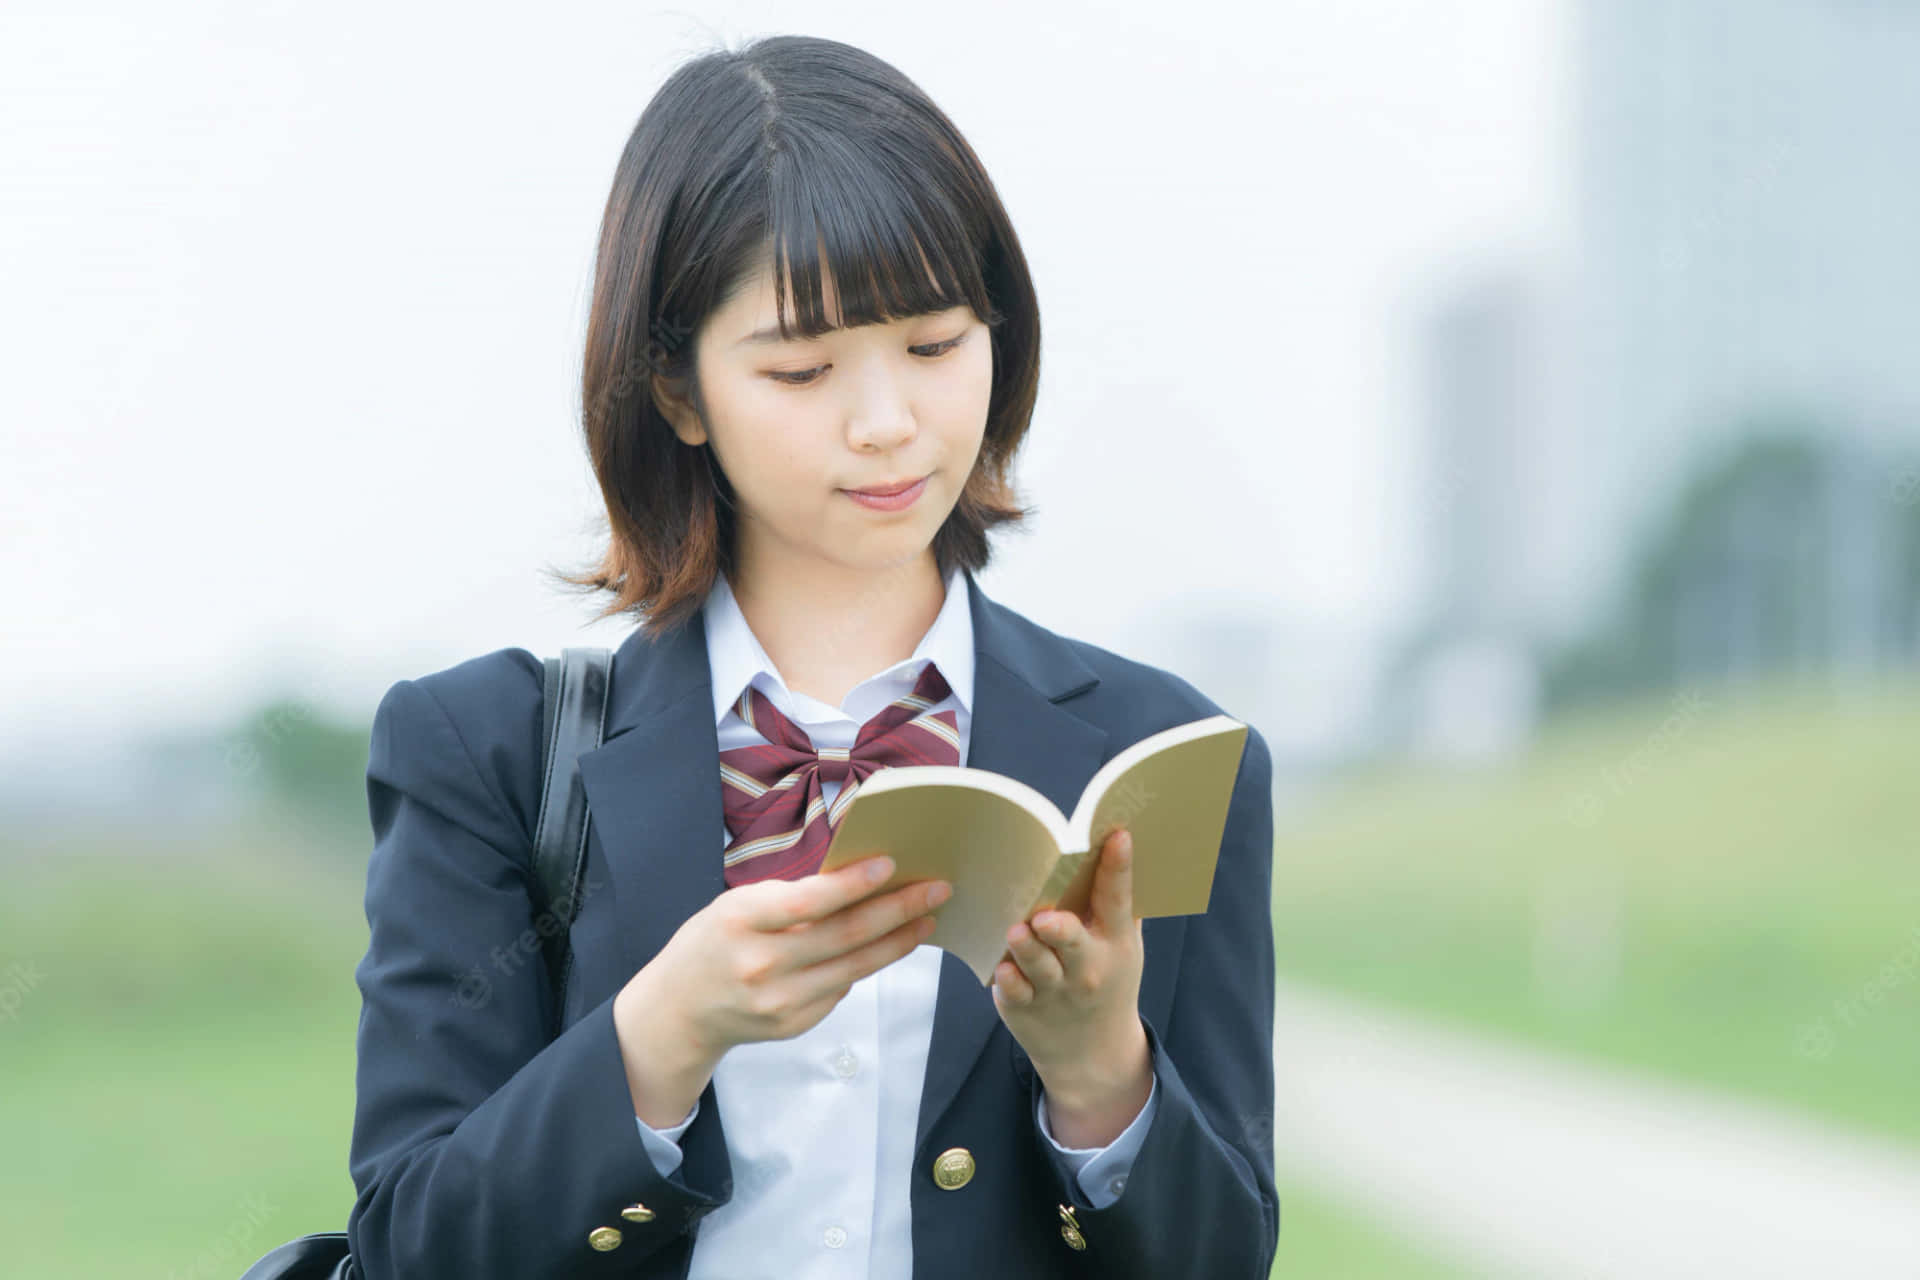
(1073, 998)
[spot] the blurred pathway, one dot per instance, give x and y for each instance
(1525, 1165)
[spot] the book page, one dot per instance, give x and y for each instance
(1173, 799)
(996, 854)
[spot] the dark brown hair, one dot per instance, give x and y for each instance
(789, 150)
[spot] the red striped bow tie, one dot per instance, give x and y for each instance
(773, 795)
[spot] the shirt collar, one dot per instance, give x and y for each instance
(735, 658)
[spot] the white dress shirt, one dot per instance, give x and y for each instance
(851, 1083)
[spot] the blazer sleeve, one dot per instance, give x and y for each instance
(481, 1148)
(1199, 1199)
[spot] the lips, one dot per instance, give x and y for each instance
(877, 499)
(887, 491)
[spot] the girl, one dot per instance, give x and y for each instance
(812, 355)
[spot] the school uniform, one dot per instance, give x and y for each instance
(907, 1132)
(850, 1084)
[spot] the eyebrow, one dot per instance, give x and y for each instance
(771, 334)
(763, 337)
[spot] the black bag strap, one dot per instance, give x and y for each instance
(574, 720)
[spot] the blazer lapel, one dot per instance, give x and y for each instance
(653, 786)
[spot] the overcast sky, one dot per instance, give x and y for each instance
(294, 296)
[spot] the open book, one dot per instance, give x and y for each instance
(1009, 853)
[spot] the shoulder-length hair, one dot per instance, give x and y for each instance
(807, 153)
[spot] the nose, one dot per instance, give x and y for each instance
(881, 418)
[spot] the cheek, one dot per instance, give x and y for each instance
(764, 434)
(778, 471)
(980, 364)
(975, 395)
(961, 391)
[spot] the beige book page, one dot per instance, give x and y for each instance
(1174, 803)
(995, 853)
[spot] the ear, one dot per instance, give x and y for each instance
(669, 396)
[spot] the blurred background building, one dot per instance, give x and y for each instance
(1686, 453)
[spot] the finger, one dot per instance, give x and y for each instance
(1113, 891)
(1038, 961)
(1067, 934)
(865, 920)
(790, 902)
(853, 965)
(1010, 986)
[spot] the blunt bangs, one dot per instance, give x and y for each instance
(894, 246)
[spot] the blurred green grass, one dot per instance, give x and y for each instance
(1724, 891)
(176, 1085)
(179, 1073)
(1322, 1239)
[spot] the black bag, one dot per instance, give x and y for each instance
(575, 718)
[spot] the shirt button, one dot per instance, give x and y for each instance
(835, 1237)
(846, 1064)
(1118, 1185)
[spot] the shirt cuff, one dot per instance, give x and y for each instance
(664, 1144)
(1102, 1171)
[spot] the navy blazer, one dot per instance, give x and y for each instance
(484, 1150)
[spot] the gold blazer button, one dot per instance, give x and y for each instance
(637, 1213)
(953, 1168)
(1070, 1229)
(604, 1238)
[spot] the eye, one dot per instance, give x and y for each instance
(807, 377)
(934, 350)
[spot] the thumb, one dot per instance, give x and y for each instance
(1113, 890)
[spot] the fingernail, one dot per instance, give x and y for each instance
(939, 893)
(1126, 842)
(879, 869)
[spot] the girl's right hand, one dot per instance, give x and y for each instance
(768, 960)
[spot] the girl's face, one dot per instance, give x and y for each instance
(795, 425)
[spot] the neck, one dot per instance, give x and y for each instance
(828, 627)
